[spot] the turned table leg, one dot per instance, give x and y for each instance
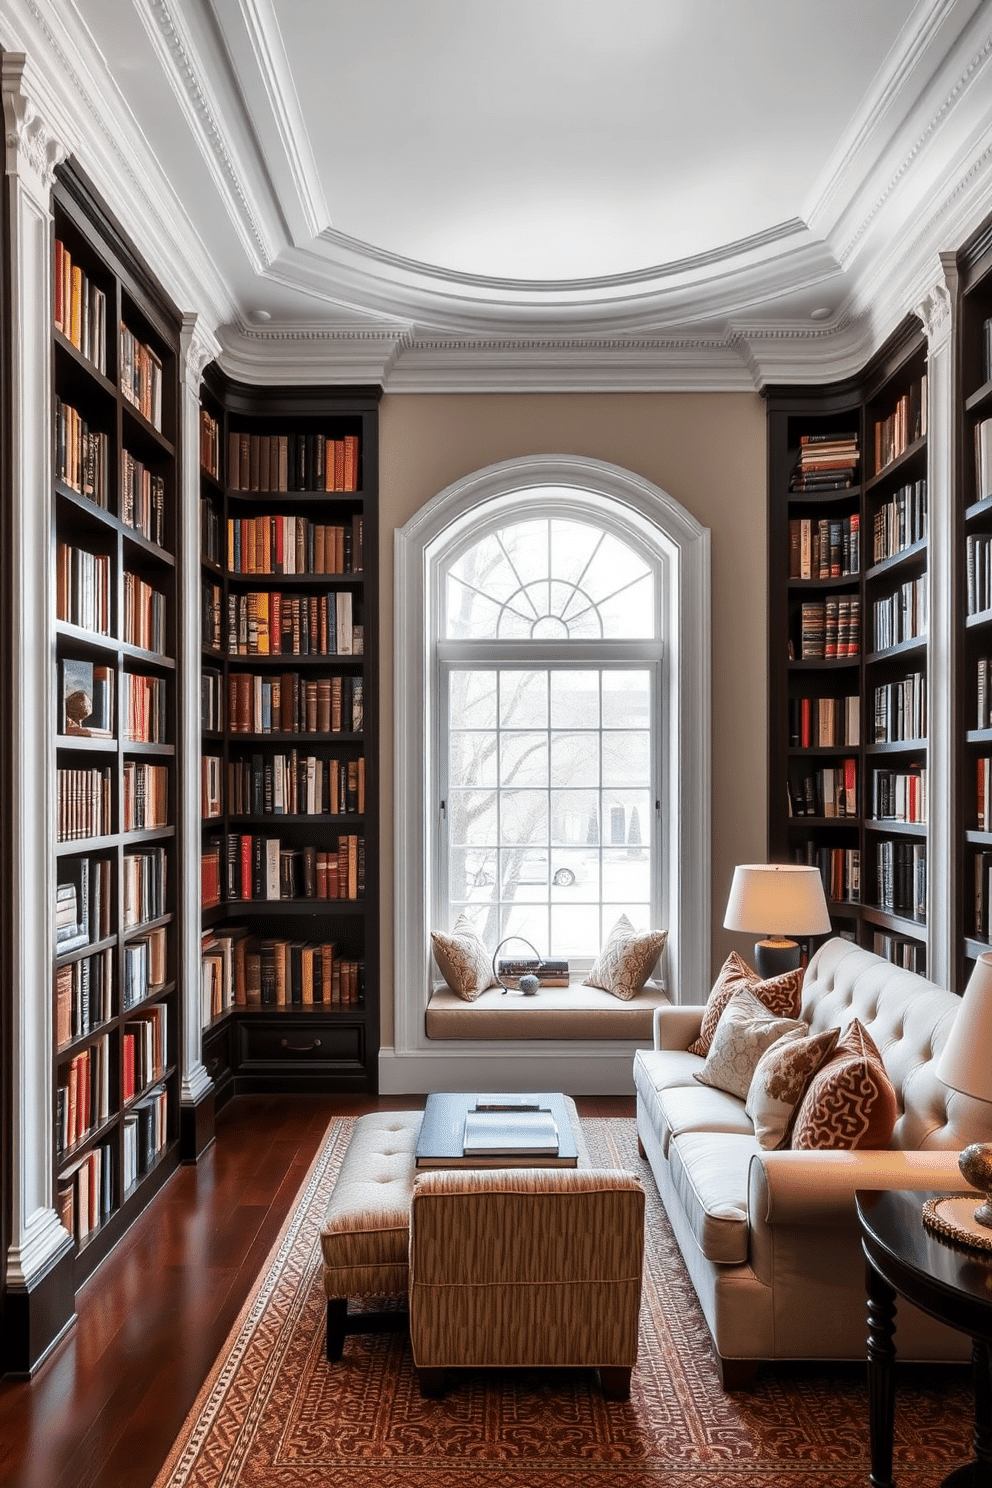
(881, 1385)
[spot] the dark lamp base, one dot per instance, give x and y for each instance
(773, 957)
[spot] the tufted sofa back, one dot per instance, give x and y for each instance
(909, 1018)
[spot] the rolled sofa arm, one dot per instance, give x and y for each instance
(677, 1025)
(818, 1188)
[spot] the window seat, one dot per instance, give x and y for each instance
(561, 1013)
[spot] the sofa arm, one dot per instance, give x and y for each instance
(676, 1026)
(818, 1188)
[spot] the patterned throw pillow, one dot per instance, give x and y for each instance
(850, 1102)
(465, 963)
(782, 995)
(745, 1030)
(627, 959)
(779, 1082)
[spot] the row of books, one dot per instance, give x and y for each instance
(277, 624)
(83, 803)
(144, 886)
(144, 967)
(292, 462)
(142, 499)
(903, 426)
(141, 377)
(839, 867)
(899, 795)
(277, 544)
(291, 703)
(902, 615)
(900, 950)
(83, 996)
(209, 444)
(145, 1050)
(86, 693)
(291, 784)
(829, 792)
(82, 454)
(830, 628)
(146, 796)
(145, 1135)
(826, 462)
(241, 970)
(824, 548)
(83, 1095)
(900, 522)
(983, 693)
(146, 709)
(144, 615)
(80, 309)
(253, 867)
(901, 710)
(824, 722)
(82, 588)
(83, 896)
(978, 567)
(901, 877)
(983, 895)
(84, 1196)
(983, 459)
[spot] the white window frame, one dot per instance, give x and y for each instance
(653, 521)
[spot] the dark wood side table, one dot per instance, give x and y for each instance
(947, 1281)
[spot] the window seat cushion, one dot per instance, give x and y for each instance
(561, 1013)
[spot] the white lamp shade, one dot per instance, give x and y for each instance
(777, 899)
(965, 1062)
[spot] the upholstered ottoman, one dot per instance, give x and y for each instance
(365, 1236)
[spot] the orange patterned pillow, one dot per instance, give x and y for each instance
(850, 1101)
(782, 995)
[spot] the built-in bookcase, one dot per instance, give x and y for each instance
(289, 798)
(848, 660)
(116, 1004)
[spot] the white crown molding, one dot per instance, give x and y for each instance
(289, 355)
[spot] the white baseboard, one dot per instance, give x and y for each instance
(572, 1070)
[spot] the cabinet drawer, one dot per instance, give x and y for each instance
(284, 1045)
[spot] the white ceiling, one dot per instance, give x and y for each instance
(529, 192)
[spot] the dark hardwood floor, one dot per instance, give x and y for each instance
(106, 1406)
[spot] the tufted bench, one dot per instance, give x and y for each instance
(365, 1236)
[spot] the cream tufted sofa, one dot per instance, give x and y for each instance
(770, 1238)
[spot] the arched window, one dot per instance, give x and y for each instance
(551, 729)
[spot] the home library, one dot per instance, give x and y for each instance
(116, 1002)
(848, 618)
(289, 860)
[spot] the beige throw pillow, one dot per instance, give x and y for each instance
(779, 1082)
(782, 995)
(465, 963)
(745, 1030)
(627, 959)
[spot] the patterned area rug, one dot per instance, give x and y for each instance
(274, 1413)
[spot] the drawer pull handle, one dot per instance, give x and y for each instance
(300, 1048)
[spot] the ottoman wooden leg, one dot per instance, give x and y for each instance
(337, 1319)
(615, 1381)
(431, 1383)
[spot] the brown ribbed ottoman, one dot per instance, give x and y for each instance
(365, 1237)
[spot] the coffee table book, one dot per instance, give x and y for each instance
(441, 1143)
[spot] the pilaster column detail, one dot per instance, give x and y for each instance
(938, 310)
(32, 155)
(198, 347)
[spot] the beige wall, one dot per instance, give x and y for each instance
(705, 450)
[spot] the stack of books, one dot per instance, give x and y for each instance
(827, 462)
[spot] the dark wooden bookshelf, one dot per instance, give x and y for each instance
(292, 1045)
(133, 1164)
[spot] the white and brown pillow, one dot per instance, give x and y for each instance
(464, 962)
(850, 1102)
(779, 1082)
(745, 1030)
(627, 959)
(782, 995)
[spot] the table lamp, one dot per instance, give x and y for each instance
(777, 900)
(965, 1064)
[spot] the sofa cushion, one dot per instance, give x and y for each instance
(464, 962)
(850, 1102)
(627, 959)
(781, 995)
(779, 1082)
(745, 1030)
(709, 1172)
(683, 1108)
